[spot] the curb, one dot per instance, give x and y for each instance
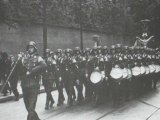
(10, 98)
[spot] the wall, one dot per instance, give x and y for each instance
(15, 40)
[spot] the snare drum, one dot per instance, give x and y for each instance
(143, 70)
(136, 71)
(116, 73)
(96, 77)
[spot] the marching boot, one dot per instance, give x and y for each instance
(47, 104)
(51, 103)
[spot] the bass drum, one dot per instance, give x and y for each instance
(136, 71)
(125, 73)
(117, 73)
(143, 70)
(96, 77)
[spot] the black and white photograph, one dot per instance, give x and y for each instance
(79, 59)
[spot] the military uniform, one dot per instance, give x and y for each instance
(58, 76)
(5, 63)
(68, 76)
(48, 79)
(79, 73)
(88, 87)
(14, 78)
(31, 66)
(116, 59)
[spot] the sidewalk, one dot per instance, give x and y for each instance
(10, 97)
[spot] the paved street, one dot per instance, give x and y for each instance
(145, 108)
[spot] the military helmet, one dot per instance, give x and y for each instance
(105, 47)
(68, 50)
(87, 50)
(58, 51)
(113, 47)
(31, 43)
(47, 51)
(118, 45)
(126, 47)
(51, 52)
(77, 48)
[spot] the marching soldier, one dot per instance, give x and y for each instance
(107, 68)
(58, 76)
(14, 78)
(68, 76)
(88, 87)
(5, 63)
(48, 79)
(117, 66)
(79, 73)
(31, 66)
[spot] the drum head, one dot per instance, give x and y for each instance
(95, 77)
(136, 71)
(143, 70)
(116, 73)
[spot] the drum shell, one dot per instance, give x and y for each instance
(125, 73)
(129, 74)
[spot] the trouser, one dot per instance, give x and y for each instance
(48, 85)
(7, 87)
(101, 92)
(69, 86)
(79, 85)
(125, 88)
(115, 85)
(88, 88)
(135, 86)
(148, 82)
(59, 85)
(30, 99)
(13, 84)
(155, 79)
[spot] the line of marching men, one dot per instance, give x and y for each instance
(119, 73)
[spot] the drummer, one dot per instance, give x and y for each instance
(107, 67)
(148, 82)
(116, 64)
(126, 82)
(97, 63)
(136, 77)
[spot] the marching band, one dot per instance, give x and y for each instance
(119, 72)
